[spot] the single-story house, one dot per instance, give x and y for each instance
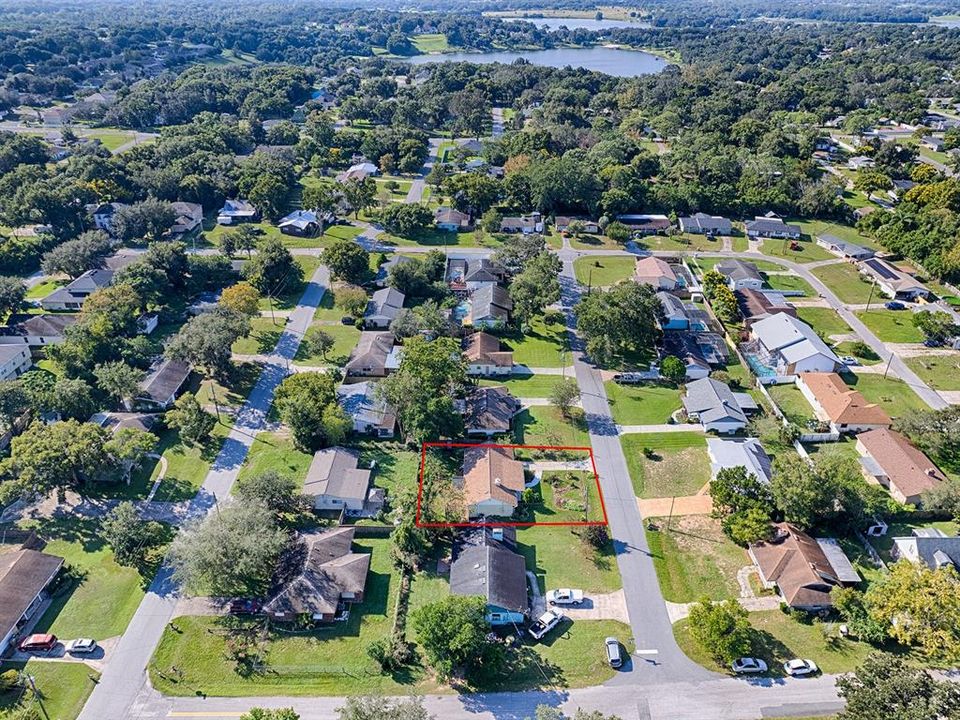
(489, 305)
(525, 224)
(748, 453)
(643, 224)
(486, 563)
(331, 578)
(932, 143)
(189, 217)
(492, 481)
(928, 546)
(25, 576)
(716, 407)
(803, 569)
(757, 305)
(369, 357)
(300, 223)
(484, 356)
(335, 482)
(861, 162)
(899, 189)
(674, 312)
(844, 249)
(71, 296)
(657, 273)
(892, 281)
(699, 351)
(703, 224)
(359, 171)
(121, 259)
(237, 211)
(740, 275)
(15, 360)
(489, 411)
(160, 388)
(475, 165)
(889, 459)
(473, 273)
(383, 272)
(844, 408)
(791, 346)
(116, 421)
(769, 227)
(371, 415)
(383, 308)
(562, 224)
(451, 219)
(35, 330)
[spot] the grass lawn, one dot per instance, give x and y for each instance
(846, 447)
(904, 528)
(825, 321)
(233, 391)
(642, 404)
(845, 282)
(430, 42)
(681, 242)
(778, 638)
(541, 347)
(680, 465)
(433, 237)
(110, 138)
(288, 298)
(793, 404)
(895, 326)
(396, 466)
(694, 558)
(941, 372)
(41, 290)
(345, 338)
(603, 271)
(895, 396)
(63, 687)
(789, 283)
(545, 426)
(594, 242)
(272, 452)
(809, 251)
(559, 558)
(848, 348)
(101, 600)
(844, 232)
(528, 386)
(263, 337)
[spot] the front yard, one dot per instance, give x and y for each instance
(642, 404)
(273, 452)
(678, 464)
(941, 372)
(603, 271)
(893, 326)
(64, 688)
(846, 282)
(345, 339)
(545, 425)
(541, 346)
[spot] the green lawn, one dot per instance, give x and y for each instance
(231, 392)
(271, 452)
(846, 283)
(345, 339)
(528, 386)
(895, 396)
(110, 138)
(825, 321)
(540, 347)
(793, 404)
(603, 271)
(845, 447)
(844, 232)
(789, 283)
(41, 290)
(809, 251)
(848, 348)
(63, 687)
(642, 404)
(681, 242)
(694, 558)
(396, 466)
(559, 558)
(545, 426)
(895, 326)
(430, 42)
(680, 464)
(263, 337)
(941, 372)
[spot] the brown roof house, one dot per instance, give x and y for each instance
(369, 357)
(489, 411)
(803, 569)
(844, 408)
(319, 578)
(756, 305)
(336, 483)
(492, 481)
(484, 356)
(889, 459)
(24, 577)
(656, 272)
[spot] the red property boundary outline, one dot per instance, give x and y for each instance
(593, 464)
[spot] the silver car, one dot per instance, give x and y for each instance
(612, 646)
(748, 666)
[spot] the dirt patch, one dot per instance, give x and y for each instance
(676, 472)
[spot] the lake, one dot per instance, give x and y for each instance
(552, 23)
(609, 60)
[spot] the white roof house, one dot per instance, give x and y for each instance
(792, 346)
(747, 453)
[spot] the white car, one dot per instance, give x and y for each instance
(799, 668)
(565, 596)
(81, 646)
(849, 360)
(545, 623)
(747, 665)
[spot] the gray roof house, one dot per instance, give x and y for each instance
(301, 223)
(489, 411)
(383, 272)
(369, 357)
(159, 389)
(383, 308)
(24, 577)
(747, 453)
(335, 482)
(844, 249)
(35, 330)
(371, 414)
(715, 406)
(490, 304)
(451, 219)
(740, 275)
(929, 546)
(488, 565)
(237, 211)
(770, 227)
(703, 224)
(71, 297)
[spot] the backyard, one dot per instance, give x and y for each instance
(642, 404)
(677, 463)
(792, 403)
(788, 282)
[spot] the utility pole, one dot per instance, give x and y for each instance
(887, 369)
(213, 395)
(870, 296)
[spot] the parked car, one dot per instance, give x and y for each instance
(799, 668)
(894, 305)
(748, 665)
(81, 646)
(38, 643)
(612, 646)
(933, 342)
(244, 607)
(565, 596)
(545, 623)
(849, 360)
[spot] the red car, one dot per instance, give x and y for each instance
(244, 607)
(38, 643)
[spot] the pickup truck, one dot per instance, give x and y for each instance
(565, 596)
(547, 622)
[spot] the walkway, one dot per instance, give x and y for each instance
(125, 676)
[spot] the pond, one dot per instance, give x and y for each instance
(553, 23)
(610, 60)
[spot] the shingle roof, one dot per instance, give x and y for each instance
(738, 270)
(165, 380)
(483, 348)
(781, 331)
(490, 409)
(385, 303)
(52, 325)
(653, 268)
(371, 350)
(842, 404)
(333, 471)
(491, 473)
(491, 571)
(748, 453)
(23, 575)
(712, 401)
(758, 304)
(909, 470)
(707, 223)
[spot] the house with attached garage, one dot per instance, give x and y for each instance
(71, 296)
(489, 305)
(740, 275)
(486, 563)
(301, 223)
(642, 224)
(371, 414)
(15, 360)
(790, 346)
(844, 249)
(892, 281)
(562, 224)
(25, 575)
(189, 216)
(748, 453)
(35, 330)
(489, 411)
(674, 313)
(524, 224)
(699, 351)
(451, 220)
(370, 356)
(890, 460)
(703, 224)
(492, 481)
(484, 356)
(383, 308)
(716, 407)
(770, 227)
(320, 577)
(843, 407)
(335, 482)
